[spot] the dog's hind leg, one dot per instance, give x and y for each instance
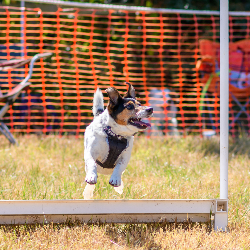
(88, 192)
(119, 189)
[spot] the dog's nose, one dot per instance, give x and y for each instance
(149, 110)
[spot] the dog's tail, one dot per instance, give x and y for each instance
(98, 105)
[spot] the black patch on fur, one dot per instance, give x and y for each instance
(116, 146)
(99, 111)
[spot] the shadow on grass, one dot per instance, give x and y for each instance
(142, 235)
(119, 235)
(239, 146)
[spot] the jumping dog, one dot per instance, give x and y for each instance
(108, 140)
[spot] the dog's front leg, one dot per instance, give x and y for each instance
(116, 179)
(91, 171)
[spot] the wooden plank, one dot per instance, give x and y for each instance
(113, 211)
(29, 207)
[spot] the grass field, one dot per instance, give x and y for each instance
(53, 168)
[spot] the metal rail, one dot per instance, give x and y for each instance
(134, 8)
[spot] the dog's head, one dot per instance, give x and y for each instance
(127, 110)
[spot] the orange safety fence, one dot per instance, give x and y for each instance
(157, 52)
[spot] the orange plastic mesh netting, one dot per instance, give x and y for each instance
(156, 52)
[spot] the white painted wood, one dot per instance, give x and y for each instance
(221, 215)
(105, 206)
(221, 221)
(119, 211)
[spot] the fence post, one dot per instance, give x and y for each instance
(224, 98)
(222, 217)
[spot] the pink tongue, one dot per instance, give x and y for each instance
(144, 123)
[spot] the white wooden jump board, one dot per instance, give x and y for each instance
(117, 211)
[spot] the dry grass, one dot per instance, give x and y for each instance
(119, 237)
(53, 168)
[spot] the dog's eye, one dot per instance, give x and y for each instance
(130, 106)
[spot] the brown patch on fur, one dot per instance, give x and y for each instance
(129, 103)
(123, 117)
(110, 108)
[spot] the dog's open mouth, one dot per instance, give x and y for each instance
(138, 123)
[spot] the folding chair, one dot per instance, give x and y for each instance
(239, 76)
(12, 95)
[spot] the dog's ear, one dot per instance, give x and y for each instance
(131, 91)
(114, 95)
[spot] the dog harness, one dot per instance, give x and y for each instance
(117, 144)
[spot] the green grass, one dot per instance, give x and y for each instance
(53, 168)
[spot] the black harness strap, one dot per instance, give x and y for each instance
(116, 145)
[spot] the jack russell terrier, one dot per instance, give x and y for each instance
(108, 140)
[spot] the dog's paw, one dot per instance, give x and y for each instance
(91, 178)
(115, 182)
(88, 192)
(120, 188)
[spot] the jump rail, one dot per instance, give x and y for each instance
(132, 8)
(115, 211)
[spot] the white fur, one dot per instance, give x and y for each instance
(96, 148)
(98, 102)
(88, 191)
(119, 189)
